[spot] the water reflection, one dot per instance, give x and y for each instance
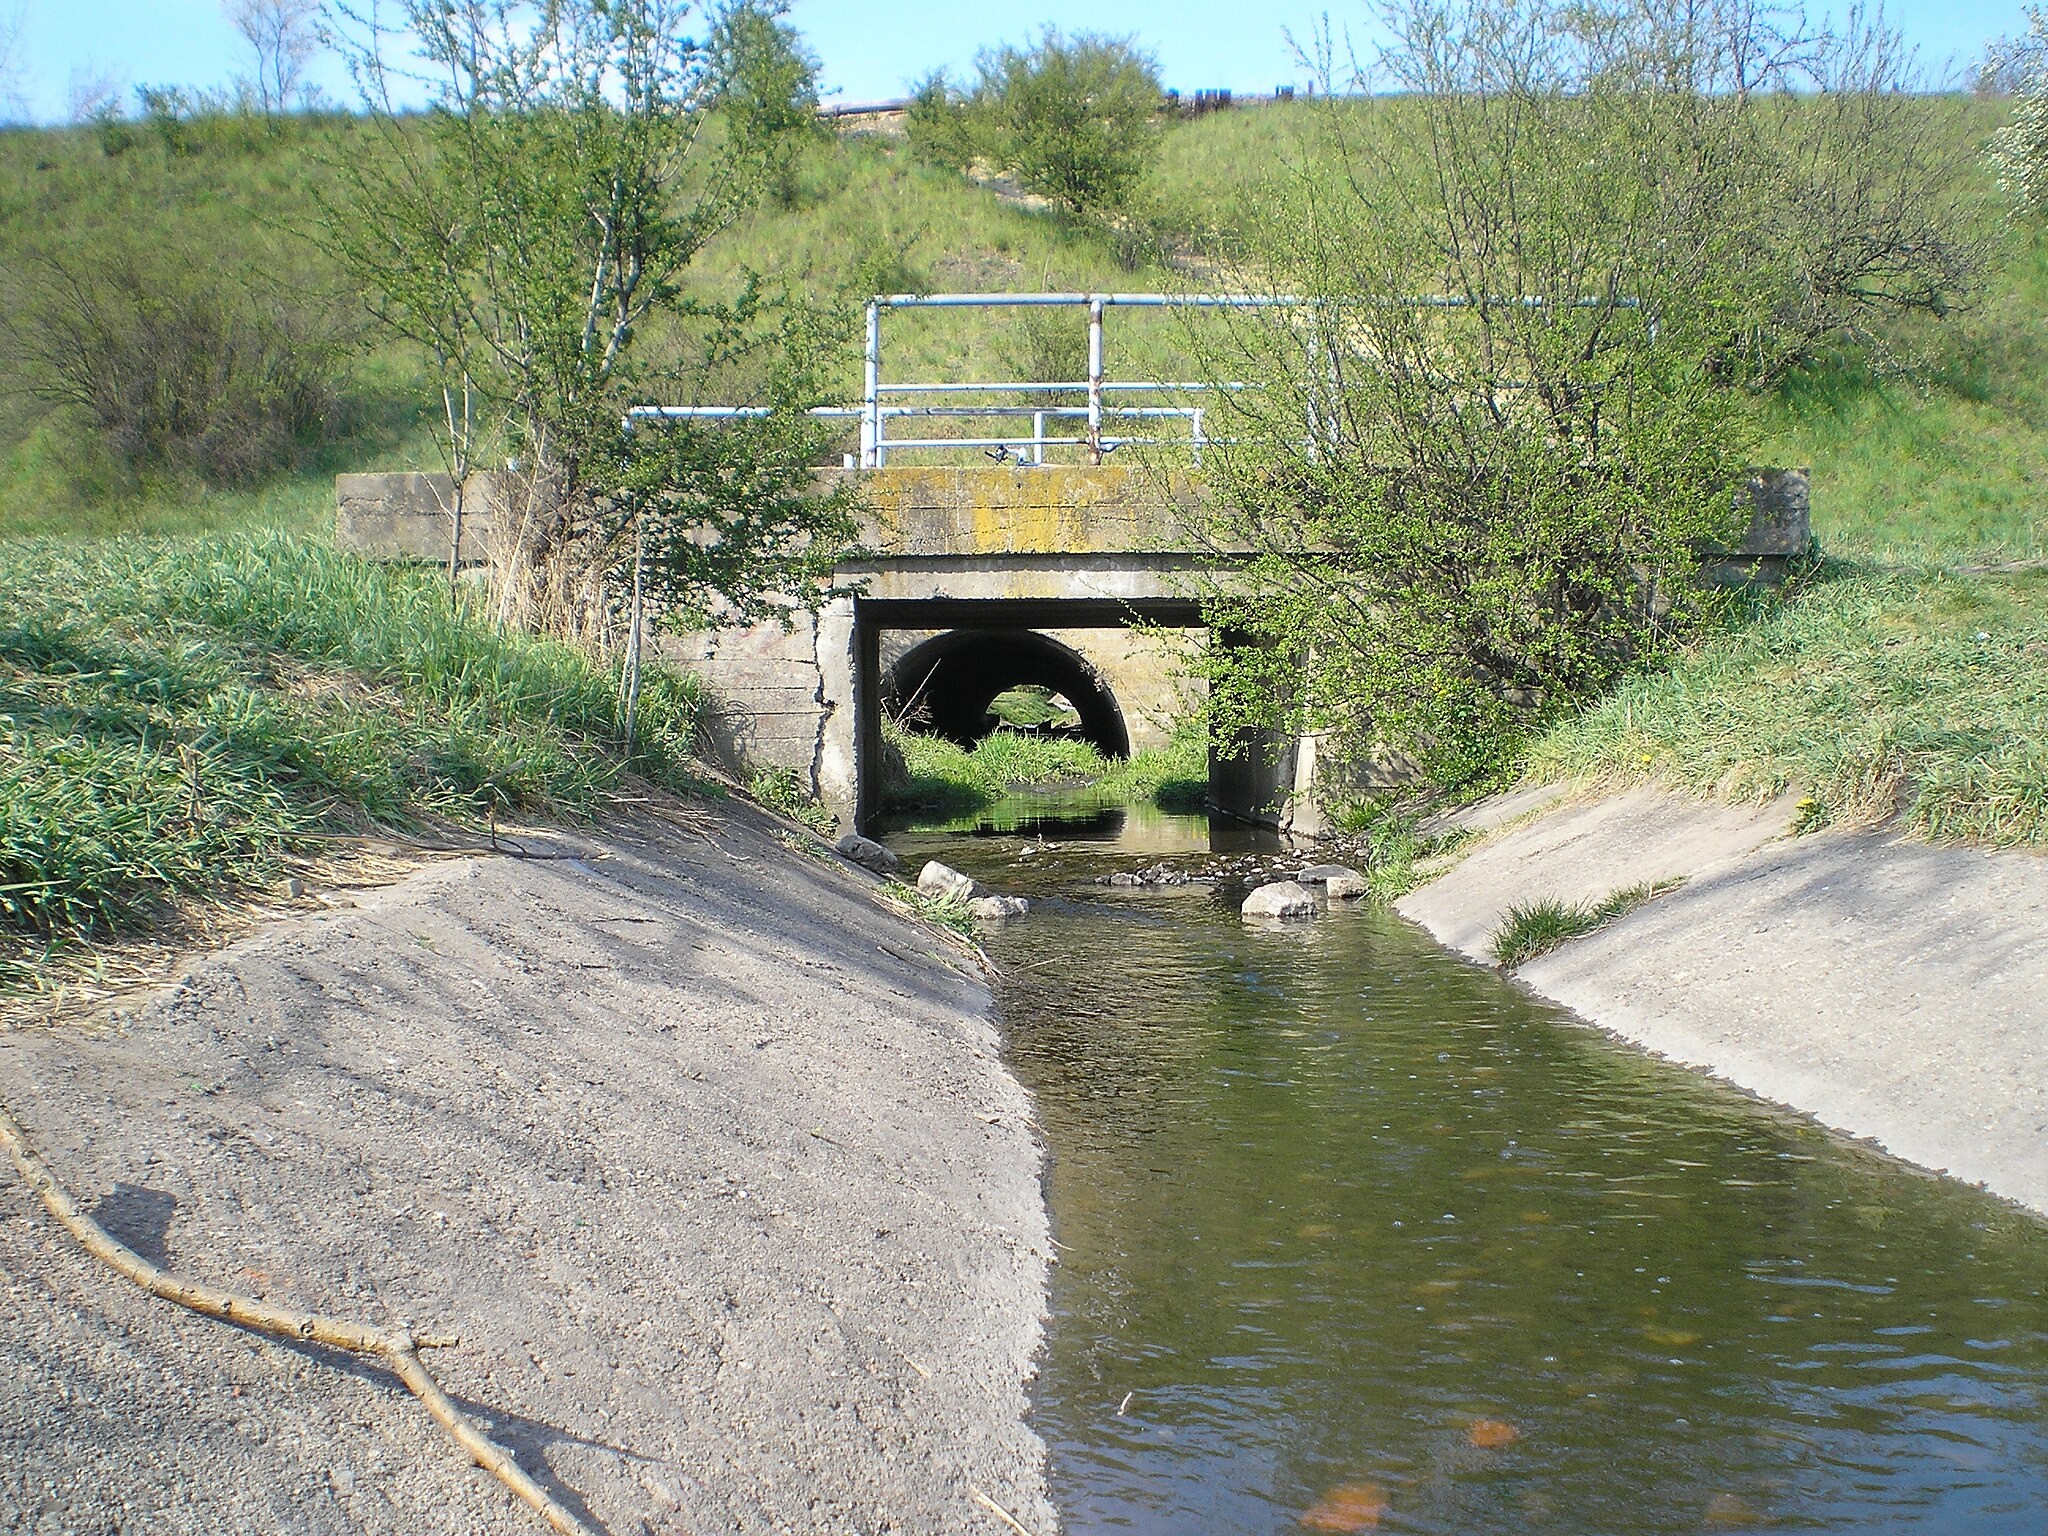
(1358, 1236)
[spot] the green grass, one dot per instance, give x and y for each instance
(1539, 927)
(188, 718)
(1866, 689)
(1384, 836)
(946, 779)
(782, 791)
(1872, 691)
(1942, 458)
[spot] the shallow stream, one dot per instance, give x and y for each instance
(1357, 1236)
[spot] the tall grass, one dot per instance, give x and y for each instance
(185, 718)
(1873, 691)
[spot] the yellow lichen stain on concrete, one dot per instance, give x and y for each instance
(1059, 509)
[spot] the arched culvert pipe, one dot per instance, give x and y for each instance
(949, 681)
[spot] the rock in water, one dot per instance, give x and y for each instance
(1283, 898)
(998, 906)
(1323, 874)
(867, 853)
(947, 883)
(1349, 886)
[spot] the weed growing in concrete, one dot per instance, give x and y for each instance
(784, 793)
(948, 912)
(1540, 926)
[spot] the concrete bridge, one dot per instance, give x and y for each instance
(973, 580)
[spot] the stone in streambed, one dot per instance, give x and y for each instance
(1283, 898)
(997, 907)
(1340, 882)
(867, 853)
(947, 883)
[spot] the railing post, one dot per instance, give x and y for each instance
(871, 419)
(1038, 437)
(1095, 381)
(1197, 436)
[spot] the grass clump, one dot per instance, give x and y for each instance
(1920, 692)
(1539, 927)
(190, 719)
(783, 791)
(1385, 836)
(947, 912)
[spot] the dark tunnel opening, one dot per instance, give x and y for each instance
(948, 682)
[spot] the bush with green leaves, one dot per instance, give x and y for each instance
(1073, 118)
(940, 126)
(1517, 402)
(530, 234)
(175, 363)
(765, 84)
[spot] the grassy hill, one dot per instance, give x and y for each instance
(185, 702)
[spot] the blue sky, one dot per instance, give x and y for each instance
(871, 48)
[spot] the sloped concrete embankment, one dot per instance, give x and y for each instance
(1891, 989)
(708, 1157)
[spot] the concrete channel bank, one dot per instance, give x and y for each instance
(1893, 990)
(708, 1156)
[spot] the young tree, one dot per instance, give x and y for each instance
(530, 232)
(1072, 118)
(284, 36)
(940, 126)
(93, 95)
(2019, 150)
(1540, 285)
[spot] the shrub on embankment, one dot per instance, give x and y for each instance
(195, 718)
(1909, 674)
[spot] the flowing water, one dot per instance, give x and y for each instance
(1357, 1236)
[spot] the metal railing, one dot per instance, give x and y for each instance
(875, 442)
(876, 411)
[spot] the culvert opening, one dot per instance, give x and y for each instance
(966, 683)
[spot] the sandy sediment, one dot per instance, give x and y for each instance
(709, 1158)
(1891, 989)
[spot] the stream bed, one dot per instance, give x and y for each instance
(1357, 1236)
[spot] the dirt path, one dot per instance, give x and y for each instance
(1890, 989)
(709, 1159)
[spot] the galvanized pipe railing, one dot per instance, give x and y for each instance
(874, 415)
